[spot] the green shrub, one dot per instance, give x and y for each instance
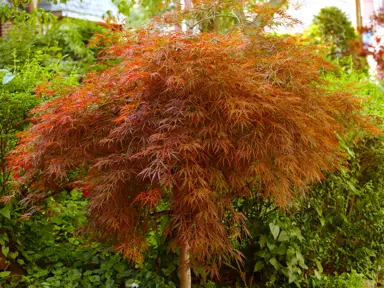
(17, 99)
(344, 219)
(345, 280)
(51, 255)
(63, 42)
(49, 252)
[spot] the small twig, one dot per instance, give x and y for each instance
(161, 213)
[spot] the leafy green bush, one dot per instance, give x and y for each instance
(49, 252)
(273, 252)
(63, 42)
(345, 280)
(343, 221)
(68, 40)
(55, 257)
(17, 99)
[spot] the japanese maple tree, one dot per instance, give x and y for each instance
(192, 120)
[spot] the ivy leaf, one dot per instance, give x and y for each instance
(284, 236)
(94, 278)
(260, 253)
(20, 261)
(13, 255)
(109, 283)
(293, 261)
(274, 230)
(258, 266)
(292, 276)
(280, 250)
(275, 263)
(353, 188)
(263, 240)
(271, 246)
(5, 250)
(272, 279)
(6, 212)
(319, 266)
(5, 274)
(3, 239)
(296, 232)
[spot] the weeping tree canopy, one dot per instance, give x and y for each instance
(193, 121)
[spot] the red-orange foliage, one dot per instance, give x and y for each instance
(195, 119)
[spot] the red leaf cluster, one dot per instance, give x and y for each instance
(198, 119)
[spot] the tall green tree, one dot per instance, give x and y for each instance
(333, 28)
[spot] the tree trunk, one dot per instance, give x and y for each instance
(185, 267)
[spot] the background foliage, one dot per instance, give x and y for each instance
(332, 26)
(61, 43)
